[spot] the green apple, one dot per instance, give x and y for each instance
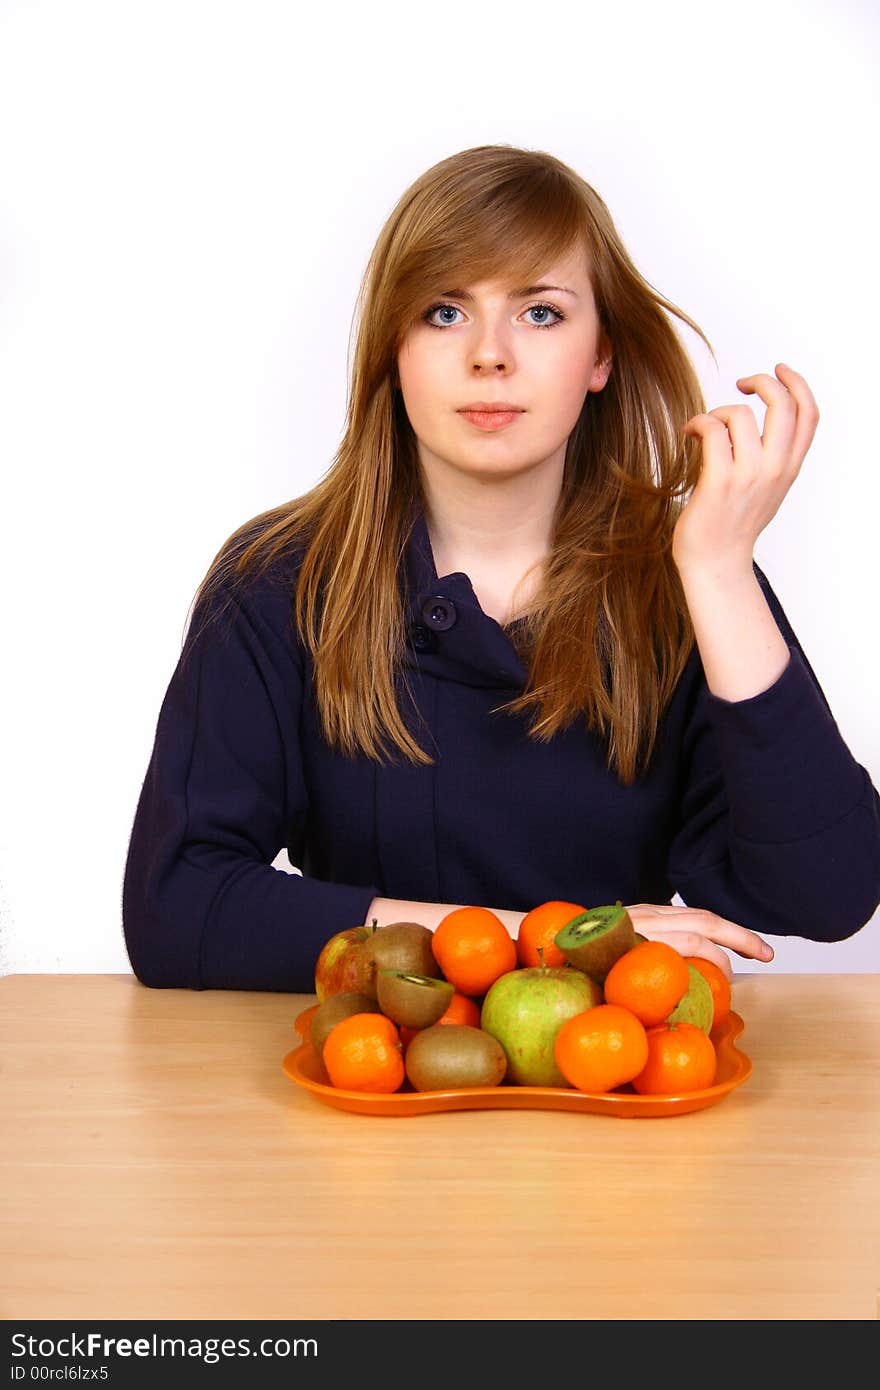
(525, 1009)
(696, 1005)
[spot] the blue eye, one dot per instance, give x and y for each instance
(548, 308)
(430, 312)
(543, 308)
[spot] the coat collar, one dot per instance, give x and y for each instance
(449, 635)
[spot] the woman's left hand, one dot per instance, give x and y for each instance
(744, 475)
(696, 931)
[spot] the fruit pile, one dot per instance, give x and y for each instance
(580, 999)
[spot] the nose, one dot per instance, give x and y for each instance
(490, 349)
(489, 356)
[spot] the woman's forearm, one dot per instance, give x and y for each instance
(741, 648)
(386, 910)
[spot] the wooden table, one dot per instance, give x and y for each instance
(157, 1163)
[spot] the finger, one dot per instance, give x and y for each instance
(712, 432)
(698, 922)
(659, 909)
(780, 420)
(689, 944)
(790, 396)
(742, 428)
(730, 438)
(807, 409)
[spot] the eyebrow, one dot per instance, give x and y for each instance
(514, 294)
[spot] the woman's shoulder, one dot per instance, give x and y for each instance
(254, 585)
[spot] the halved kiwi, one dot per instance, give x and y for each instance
(595, 939)
(416, 1001)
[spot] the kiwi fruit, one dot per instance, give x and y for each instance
(450, 1056)
(594, 940)
(416, 1001)
(333, 1011)
(404, 946)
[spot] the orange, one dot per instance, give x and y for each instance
(681, 1057)
(406, 1035)
(362, 1053)
(462, 1009)
(602, 1048)
(539, 927)
(718, 983)
(473, 947)
(649, 979)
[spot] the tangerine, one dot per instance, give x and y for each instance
(406, 1035)
(363, 1053)
(681, 1057)
(462, 1009)
(718, 983)
(649, 979)
(539, 927)
(601, 1048)
(473, 948)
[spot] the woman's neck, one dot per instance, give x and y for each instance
(493, 525)
(499, 532)
(505, 574)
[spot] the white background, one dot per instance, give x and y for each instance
(189, 192)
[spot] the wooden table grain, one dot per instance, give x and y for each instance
(158, 1163)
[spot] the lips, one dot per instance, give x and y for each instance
(487, 407)
(494, 417)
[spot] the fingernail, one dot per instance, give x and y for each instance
(767, 952)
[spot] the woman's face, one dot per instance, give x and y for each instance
(494, 342)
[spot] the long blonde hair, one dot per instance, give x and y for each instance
(610, 633)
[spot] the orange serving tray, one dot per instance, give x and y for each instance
(306, 1069)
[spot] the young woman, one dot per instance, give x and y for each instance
(513, 646)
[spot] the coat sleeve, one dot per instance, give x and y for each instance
(202, 905)
(779, 825)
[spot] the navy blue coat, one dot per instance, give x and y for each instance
(755, 809)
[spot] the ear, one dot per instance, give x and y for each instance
(601, 370)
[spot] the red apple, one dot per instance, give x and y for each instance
(343, 965)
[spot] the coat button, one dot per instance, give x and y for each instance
(439, 612)
(422, 639)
